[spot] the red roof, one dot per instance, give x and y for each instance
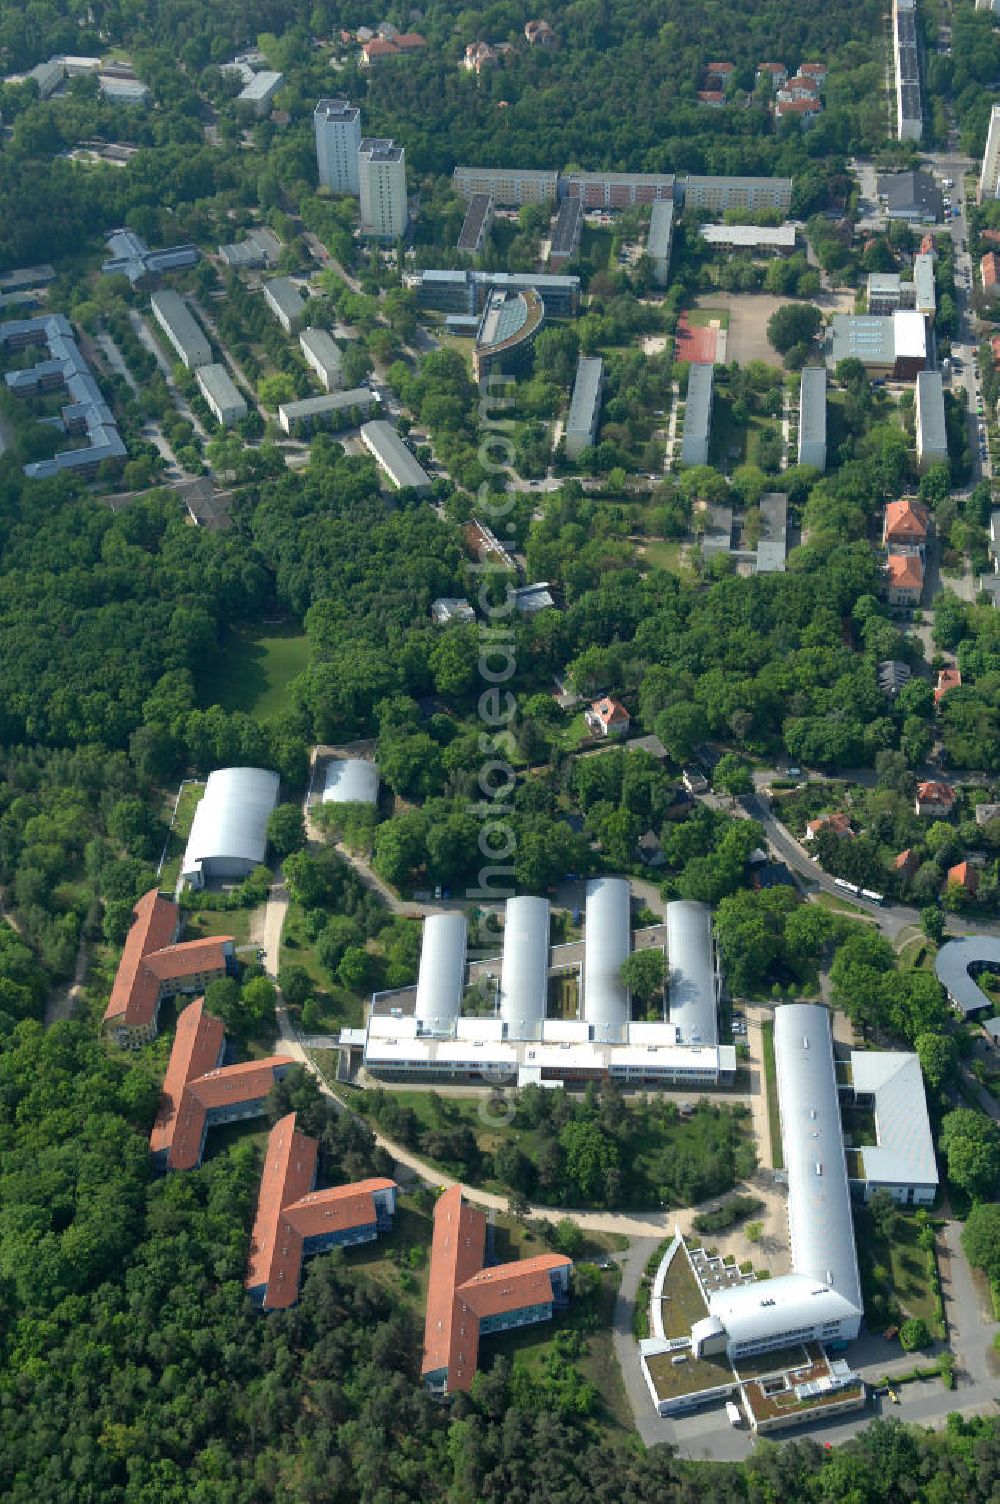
(988, 269)
(711, 96)
(964, 874)
(610, 713)
(819, 69)
(906, 861)
(995, 346)
(194, 1084)
(721, 68)
(797, 107)
(461, 1293)
(772, 68)
(905, 571)
(906, 521)
(935, 793)
(948, 678)
(149, 959)
(992, 237)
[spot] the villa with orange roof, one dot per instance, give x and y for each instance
(467, 1301)
(154, 967)
(964, 875)
(294, 1221)
(904, 579)
(936, 799)
(948, 678)
(200, 1093)
(906, 523)
(608, 718)
(838, 824)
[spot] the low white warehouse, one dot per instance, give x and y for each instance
(229, 831)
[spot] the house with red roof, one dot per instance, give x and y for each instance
(295, 1221)
(836, 825)
(947, 679)
(381, 49)
(814, 70)
(713, 97)
(800, 109)
(153, 967)
(906, 524)
(200, 1093)
(467, 1301)
(906, 863)
(964, 875)
(607, 717)
(775, 73)
(904, 579)
(989, 271)
(935, 799)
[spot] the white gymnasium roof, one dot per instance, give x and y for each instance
(904, 1150)
(441, 977)
(692, 972)
(524, 975)
(350, 780)
(230, 823)
(607, 940)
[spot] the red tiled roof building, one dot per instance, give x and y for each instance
(153, 967)
(906, 521)
(199, 1093)
(964, 875)
(948, 678)
(294, 1221)
(466, 1301)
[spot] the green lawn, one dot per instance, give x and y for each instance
(576, 732)
(199, 923)
(702, 318)
(339, 1009)
(663, 555)
(179, 832)
(253, 669)
(894, 1270)
(771, 1076)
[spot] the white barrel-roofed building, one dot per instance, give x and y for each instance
(524, 972)
(607, 941)
(821, 1300)
(691, 982)
(350, 780)
(441, 978)
(229, 831)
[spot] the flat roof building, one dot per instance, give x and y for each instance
(660, 240)
(721, 193)
(337, 128)
(200, 1093)
(697, 414)
(772, 545)
(932, 430)
(910, 196)
(322, 355)
(607, 943)
(259, 249)
(508, 187)
(286, 302)
(585, 407)
(477, 225)
(350, 780)
(924, 295)
(126, 91)
(989, 177)
(957, 964)
(750, 237)
(382, 188)
(227, 404)
(617, 190)
(153, 966)
(393, 458)
(132, 258)
(465, 291)
(894, 345)
(812, 417)
(260, 91)
(566, 232)
(178, 323)
(507, 332)
(909, 106)
(229, 831)
(335, 410)
(294, 1220)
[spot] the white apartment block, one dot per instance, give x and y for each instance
(338, 139)
(382, 186)
(989, 178)
(225, 402)
(722, 193)
(932, 431)
(508, 187)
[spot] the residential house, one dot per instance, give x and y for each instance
(947, 679)
(775, 73)
(382, 49)
(904, 579)
(892, 675)
(906, 524)
(935, 799)
(987, 813)
(906, 864)
(606, 717)
(837, 824)
(539, 34)
(650, 850)
(989, 268)
(153, 967)
(294, 1221)
(479, 55)
(964, 875)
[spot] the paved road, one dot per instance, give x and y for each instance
(632, 1262)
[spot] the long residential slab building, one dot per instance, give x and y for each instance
(697, 414)
(909, 105)
(178, 323)
(420, 1033)
(812, 417)
(393, 458)
(510, 187)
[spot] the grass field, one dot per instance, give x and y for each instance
(704, 318)
(339, 1009)
(179, 832)
(253, 670)
(901, 1258)
(663, 555)
(771, 1076)
(201, 922)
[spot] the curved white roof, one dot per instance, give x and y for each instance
(824, 1286)
(349, 780)
(692, 972)
(524, 974)
(441, 977)
(230, 823)
(607, 941)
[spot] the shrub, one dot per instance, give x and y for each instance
(914, 1334)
